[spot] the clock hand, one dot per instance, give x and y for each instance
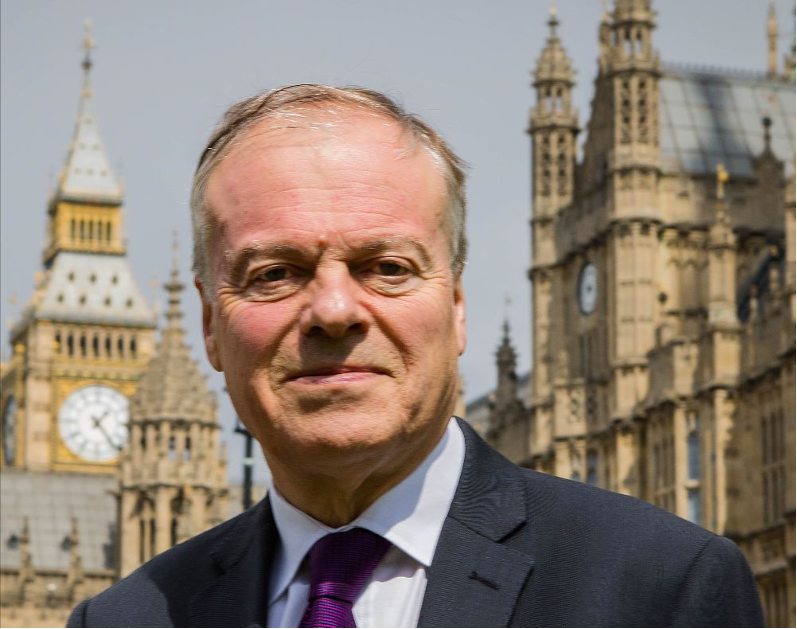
(98, 424)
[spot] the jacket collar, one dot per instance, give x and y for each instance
(475, 578)
(237, 597)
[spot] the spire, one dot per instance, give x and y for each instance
(173, 288)
(553, 64)
(506, 358)
(506, 361)
(772, 41)
(87, 174)
(172, 387)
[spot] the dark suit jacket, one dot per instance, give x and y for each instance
(518, 548)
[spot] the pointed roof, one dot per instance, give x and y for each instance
(554, 63)
(172, 387)
(506, 358)
(87, 173)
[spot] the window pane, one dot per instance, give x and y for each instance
(693, 456)
(693, 506)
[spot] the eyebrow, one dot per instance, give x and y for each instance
(280, 250)
(242, 258)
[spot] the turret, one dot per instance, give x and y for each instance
(507, 410)
(634, 65)
(553, 126)
(173, 482)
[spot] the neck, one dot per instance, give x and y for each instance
(338, 494)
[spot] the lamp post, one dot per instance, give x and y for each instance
(248, 463)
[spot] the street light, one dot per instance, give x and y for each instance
(248, 463)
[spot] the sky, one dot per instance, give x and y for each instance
(165, 71)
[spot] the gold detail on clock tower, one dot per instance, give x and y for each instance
(87, 332)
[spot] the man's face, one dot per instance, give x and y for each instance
(337, 319)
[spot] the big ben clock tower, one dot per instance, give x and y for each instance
(87, 332)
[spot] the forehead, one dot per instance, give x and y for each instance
(315, 142)
(340, 176)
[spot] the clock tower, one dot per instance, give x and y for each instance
(87, 332)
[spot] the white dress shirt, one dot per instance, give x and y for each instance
(410, 516)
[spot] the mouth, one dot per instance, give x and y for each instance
(334, 374)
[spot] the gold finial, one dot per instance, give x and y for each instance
(722, 177)
(553, 19)
(88, 44)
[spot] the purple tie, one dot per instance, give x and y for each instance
(340, 566)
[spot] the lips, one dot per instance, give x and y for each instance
(334, 373)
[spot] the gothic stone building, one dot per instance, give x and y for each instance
(83, 504)
(663, 293)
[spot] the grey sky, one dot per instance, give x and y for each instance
(165, 71)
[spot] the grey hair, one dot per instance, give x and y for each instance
(281, 101)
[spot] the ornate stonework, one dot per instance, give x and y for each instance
(663, 294)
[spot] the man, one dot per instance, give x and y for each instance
(329, 248)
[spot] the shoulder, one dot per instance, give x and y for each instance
(602, 558)
(156, 593)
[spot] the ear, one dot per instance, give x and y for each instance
(459, 315)
(208, 328)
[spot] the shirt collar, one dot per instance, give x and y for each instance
(410, 515)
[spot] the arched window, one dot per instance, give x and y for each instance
(72, 228)
(82, 344)
(107, 346)
(133, 348)
(70, 344)
(95, 346)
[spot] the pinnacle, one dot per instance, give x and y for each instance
(87, 174)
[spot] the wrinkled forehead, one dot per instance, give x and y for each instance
(317, 124)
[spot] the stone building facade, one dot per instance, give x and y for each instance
(663, 292)
(109, 444)
(173, 483)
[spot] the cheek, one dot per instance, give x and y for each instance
(423, 327)
(251, 332)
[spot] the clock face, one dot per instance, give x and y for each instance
(588, 288)
(93, 423)
(10, 430)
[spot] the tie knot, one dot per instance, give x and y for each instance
(342, 563)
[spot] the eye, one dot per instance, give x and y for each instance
(390, 269)
(273, 274)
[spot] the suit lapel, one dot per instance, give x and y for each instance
(237, 597)
(475, 579)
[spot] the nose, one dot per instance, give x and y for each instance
(334, 309)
